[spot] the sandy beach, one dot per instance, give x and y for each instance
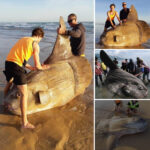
(65, 128)
(140, 141)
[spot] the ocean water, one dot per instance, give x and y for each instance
(99, 28)
(11, 32)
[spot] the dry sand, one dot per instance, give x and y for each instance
(65, 128)
(140, 141)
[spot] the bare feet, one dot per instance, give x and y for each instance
(28, 126)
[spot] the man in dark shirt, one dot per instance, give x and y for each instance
(77, 34)
(124, 12)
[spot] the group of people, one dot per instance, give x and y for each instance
(16, 61)
(132, 106)
(112, 13)
(100, 69)
(138, 68)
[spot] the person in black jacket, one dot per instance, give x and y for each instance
(131, 67)
(77, 35)
(124, 12)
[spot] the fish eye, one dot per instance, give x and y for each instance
(140, 88)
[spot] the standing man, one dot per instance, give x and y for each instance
(15, 63)
(77, 35)
(124, 12)
(131, 67)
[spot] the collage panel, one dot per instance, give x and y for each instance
(122, 74)
(122, 124)
(122, 24)
(46, 75)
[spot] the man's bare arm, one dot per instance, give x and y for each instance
(118, 18)
(28, 66)
(36, 51)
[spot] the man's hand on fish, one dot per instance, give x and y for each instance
(60, 30)
(45, 66)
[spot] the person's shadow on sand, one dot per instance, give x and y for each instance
(3, 122)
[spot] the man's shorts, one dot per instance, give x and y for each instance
(15, 71)
(108, 24)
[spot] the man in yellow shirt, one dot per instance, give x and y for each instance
(15, 63)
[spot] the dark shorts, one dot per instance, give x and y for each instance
(108, 24)
(15, 71)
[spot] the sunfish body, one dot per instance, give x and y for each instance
(67, 77)
(130, 34)
(122, 83)
(114, 128)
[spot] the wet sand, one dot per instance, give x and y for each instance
(143, 46)
(140, 141)
(69, 127)
(102, 92)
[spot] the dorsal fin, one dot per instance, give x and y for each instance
(133, 16)
(62, 48)
(107, 60)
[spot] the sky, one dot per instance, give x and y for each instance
(102, 6)
(45, 10)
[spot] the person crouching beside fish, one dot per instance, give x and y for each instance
(132, 106)
(110, 18)
(77, 35)
(15, 65)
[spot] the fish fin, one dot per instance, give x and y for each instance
(133, 15)
(62, 23)
(107, 60)
(62, 48)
